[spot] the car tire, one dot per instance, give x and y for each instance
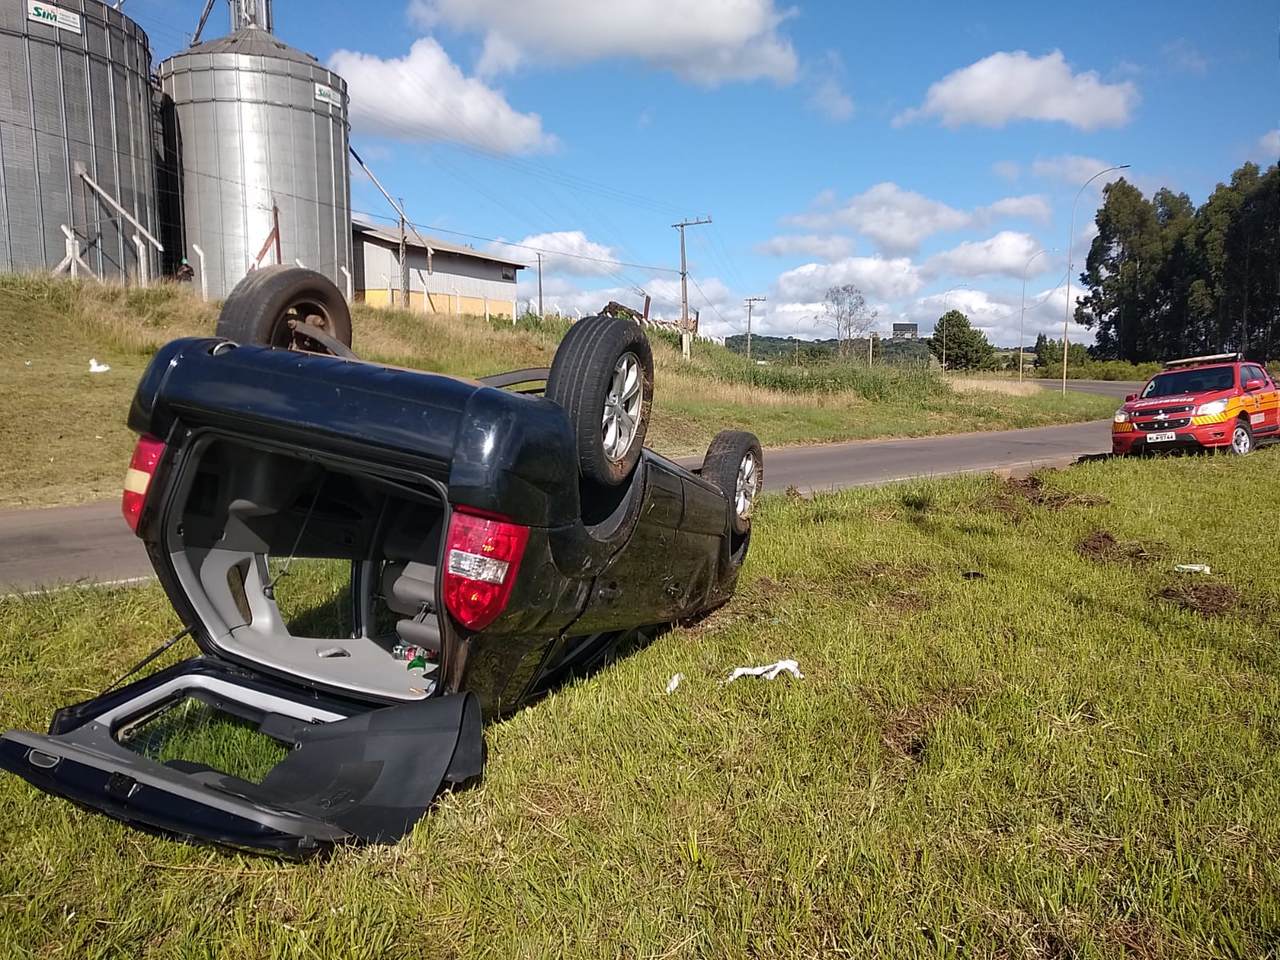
(735, 464)
(1241, 438)
(260, 307)
(602, 375)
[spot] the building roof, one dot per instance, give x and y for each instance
(437, 246)
(253, 42)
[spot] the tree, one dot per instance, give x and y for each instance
(1040, 350)
(1165, 279)
(847, 312)
(1120, 274)
(966, 348)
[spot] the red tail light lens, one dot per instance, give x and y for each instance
(482, 557)
(137, 481)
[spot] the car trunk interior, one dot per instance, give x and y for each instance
(318, 572)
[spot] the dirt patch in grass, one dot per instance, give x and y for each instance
(906, 732)
(1204, 597)
(1033, 490)
(1101, 546)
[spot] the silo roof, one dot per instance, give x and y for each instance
(253, 42)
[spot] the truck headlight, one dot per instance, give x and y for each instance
(1212, 408)
(1122, 416)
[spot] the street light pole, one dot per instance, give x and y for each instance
(1066, 318)
(1023, 318)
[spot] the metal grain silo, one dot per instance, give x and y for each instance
(261, 133)
(75, 98)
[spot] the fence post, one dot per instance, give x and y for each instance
(142, 260)
(204, 277)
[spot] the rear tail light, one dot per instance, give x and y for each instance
(137, 481)
(481, 559)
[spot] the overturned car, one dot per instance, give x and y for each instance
(493, 543)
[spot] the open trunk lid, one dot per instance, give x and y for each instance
(348, 774)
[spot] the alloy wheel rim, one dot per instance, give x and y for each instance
(1240, 440)
(746, 487)
(621, 417)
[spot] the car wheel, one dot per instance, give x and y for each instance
(602, 375)
(735, 464)
(266, 305)
(1241, 438)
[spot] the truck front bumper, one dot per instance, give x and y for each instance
(1206, 436)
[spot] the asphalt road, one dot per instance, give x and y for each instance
(1107, 388)
(90, 543)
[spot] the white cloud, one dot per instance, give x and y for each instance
(898, 220)
(830, 100)
(564, 251)
(1029, 207)
(1074, 169)
(1006, 253)
(1269, 145)
(1007, 169)
(425, 96)
(822, 246)
(1183, 55)
(998, 316)
(828, 96)
(710, 42)
(874, 276)
(1017, 86)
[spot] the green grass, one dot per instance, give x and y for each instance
(1050, 760)
(66, 441)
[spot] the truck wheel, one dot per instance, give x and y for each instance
(1241, 438)
(261, 306)
(602, 375)
(735, 463)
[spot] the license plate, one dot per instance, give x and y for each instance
(1161, 437)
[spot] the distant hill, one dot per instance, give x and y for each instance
(821, 351)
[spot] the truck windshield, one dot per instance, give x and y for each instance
(1190, 381)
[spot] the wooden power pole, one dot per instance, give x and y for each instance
(750, 302)
(540, 287)
(685, 336)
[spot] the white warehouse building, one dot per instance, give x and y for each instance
(443, 277)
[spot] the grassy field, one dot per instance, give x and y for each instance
(66, 439)
(1020, 734)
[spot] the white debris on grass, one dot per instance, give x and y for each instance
(1192, 568)
(96, 367)
(674, 682)
(769, 671)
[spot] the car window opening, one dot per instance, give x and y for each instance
(310, 570)
(191, 734)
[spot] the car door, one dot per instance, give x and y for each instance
(1265, 410)
(346, 772)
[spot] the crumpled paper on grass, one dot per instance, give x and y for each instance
(770, 671)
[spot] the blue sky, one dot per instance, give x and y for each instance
(923, 151)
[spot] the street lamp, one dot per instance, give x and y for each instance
(1023, 318)
(1066, 318)
(946, 298)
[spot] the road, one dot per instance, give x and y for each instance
(1107, 388)
(90, 543)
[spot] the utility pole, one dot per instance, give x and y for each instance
(685, 337)
(750, 302)
(404, 262)
(539, 287)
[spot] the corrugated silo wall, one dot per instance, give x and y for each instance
(74, 89)
(253, 131)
